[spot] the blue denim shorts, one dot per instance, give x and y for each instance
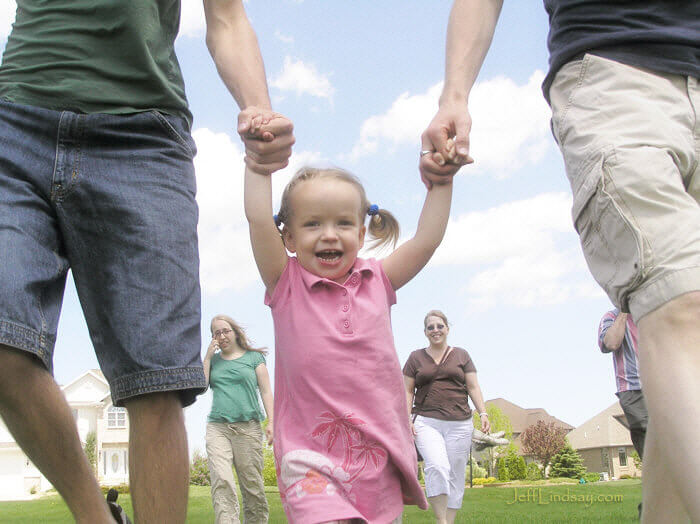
(112, 197)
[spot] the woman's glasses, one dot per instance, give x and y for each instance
(220, 332)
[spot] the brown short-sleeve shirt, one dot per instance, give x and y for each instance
(447, 396)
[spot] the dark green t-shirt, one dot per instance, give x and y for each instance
(235, 387)
(95, 56)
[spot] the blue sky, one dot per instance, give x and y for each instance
(360, 80)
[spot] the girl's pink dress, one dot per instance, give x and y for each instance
(343, 444)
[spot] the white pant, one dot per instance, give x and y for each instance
(445, 446)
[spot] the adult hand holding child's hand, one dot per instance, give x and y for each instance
(268, 138)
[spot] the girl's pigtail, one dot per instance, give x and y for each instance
(383, 227)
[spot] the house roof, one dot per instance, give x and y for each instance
(604, 430)
(521, 418)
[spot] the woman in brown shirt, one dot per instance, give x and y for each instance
(440, 379)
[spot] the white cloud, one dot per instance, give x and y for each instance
(8, 8)
(226, 259)
(525, 254)
(192, 21)
(303, 79)
(402, 124)
(284, 38)
(510, 124)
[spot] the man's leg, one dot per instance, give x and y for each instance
(669, 343)
(37, 414)
(661, 500)
(158, 461)
(635, 409)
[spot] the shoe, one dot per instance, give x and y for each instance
(117, 511)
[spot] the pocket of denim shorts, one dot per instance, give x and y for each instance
(174, 133)
(612, 246)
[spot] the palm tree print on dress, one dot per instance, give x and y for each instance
(343, 429)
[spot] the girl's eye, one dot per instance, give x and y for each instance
(310, 223)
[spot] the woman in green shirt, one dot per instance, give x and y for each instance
(235, 372)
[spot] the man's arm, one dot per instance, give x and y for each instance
(613, 334)
(469, 33)
(234, 47)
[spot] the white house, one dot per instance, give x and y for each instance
(90, 402)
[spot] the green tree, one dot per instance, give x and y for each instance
(502, 467)
(90, 449)
(499, 422)
(567, 463)
(637, 459)
(199, 469)
(517, 470)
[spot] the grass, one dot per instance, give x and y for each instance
(547, 503)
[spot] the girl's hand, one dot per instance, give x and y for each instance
(413, 429)
(269, 432)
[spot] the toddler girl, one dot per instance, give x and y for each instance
(343, 444)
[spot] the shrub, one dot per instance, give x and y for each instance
(625, 476)
(90, 449)
(269, 472)
(482, 481)
(121, 489)
(199, 469)
(517, 470)
(478, 471)
(592, 477)
(503, 474)
(533, 472)
(567, 463)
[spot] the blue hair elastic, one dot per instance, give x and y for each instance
(278, 221)
(373, 210)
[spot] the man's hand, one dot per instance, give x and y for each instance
(268, 139)
(447, 136)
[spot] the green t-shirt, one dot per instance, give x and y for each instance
(95, 56)
(235, 387)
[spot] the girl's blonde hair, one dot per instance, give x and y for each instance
(241, 338)
(383, 226)
(435, 313)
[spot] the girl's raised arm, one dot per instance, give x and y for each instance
(268, 249)
(411, 256)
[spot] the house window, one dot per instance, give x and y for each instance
(604, 458)
(623, 456)
(74, 412)
(116, 417)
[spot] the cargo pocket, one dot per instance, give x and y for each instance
(612, 246)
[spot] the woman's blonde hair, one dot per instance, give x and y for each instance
(383, 226)
(435, 313)
(241, 338)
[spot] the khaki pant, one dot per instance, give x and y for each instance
(631, 143)
(236, 445)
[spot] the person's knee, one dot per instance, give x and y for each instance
(155, 409)
(18, 367)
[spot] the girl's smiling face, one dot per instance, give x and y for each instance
(326, 226)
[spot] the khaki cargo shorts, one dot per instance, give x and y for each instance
(631, 142)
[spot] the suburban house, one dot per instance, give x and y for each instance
(90, 402)
(522, 418)
(604, 443)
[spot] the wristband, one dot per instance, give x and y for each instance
(484, 414)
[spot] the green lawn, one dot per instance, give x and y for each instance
(542, 503)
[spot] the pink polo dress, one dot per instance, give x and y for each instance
(343, 445)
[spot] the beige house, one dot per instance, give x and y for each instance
(604, 443)
(90, 402)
